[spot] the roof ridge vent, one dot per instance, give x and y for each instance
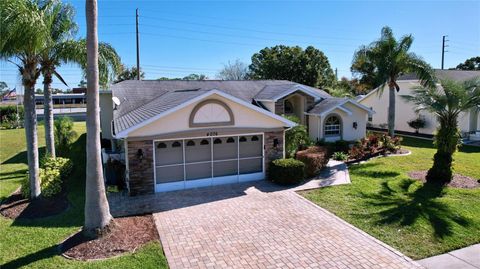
(187, 90)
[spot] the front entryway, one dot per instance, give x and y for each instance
(207, 161)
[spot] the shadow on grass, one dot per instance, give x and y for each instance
(405, 207)
(21, 157)
(15, 174)
(33, 257)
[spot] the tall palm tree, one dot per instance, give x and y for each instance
(97, 212)
(385, 60)
(23, 32)
(446, 103)
(61, 48)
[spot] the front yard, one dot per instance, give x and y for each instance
(384, 202)
(33, 243)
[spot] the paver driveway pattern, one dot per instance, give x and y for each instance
(263, 228)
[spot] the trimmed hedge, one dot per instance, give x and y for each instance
(9, 119)
(315, 158)
(286, 171)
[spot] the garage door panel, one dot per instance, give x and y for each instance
(251, 146)
(168, 152)
(199, 170)
(225, 148)
(226, 168)
(169, 174)
(251, 166)
(198, 150)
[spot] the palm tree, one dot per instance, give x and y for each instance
(446, 103)
(61, 48)
(97, 212)
(23, 32)
(385, 60)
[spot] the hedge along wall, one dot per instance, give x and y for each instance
(8, 113)
(315, 158)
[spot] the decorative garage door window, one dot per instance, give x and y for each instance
(211, 113)
(209, 160)
(332, 126)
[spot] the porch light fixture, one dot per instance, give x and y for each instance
(355, 125)
(275, 143)
(140, 154)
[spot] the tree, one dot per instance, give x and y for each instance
(24, 31)
(295, 137)
(470, 64)
(387, 59)
(97, 212)
(195, 77)
(234, 71)
(129, 74)
(446, 103)
(309, 66)
(82, 83)
(64, 135)
(61, 48)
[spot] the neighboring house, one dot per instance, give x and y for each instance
(184, 134)
(469, 121)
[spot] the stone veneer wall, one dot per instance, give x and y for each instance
(141, 179)
(273, 153)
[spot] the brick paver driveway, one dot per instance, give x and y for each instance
(240, 227)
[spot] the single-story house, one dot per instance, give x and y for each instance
(184, 134)
(469, 121)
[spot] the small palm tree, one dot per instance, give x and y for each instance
(61, 48)
(97, 212)
(385, 60)
(23, 32)
(446, 102)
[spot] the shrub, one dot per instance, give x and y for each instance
(52, 174)
(286, 171)
(314, 158)
(340, 156)
(9, 118)
(64, 135)
(373, 144)
(390, 144)
(296, 137)
(417, 123)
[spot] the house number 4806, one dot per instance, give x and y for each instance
(212, 134)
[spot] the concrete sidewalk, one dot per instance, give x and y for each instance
(465, 258)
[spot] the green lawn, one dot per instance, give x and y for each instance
(33, 244)
(384, 202)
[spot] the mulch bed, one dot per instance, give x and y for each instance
(126, 235)
(17, 207)
(458, 181)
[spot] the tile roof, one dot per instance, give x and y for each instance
(141, 100)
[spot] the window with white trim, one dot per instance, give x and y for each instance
(332, 126)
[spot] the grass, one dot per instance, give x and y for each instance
(415, 219)
(33, 243)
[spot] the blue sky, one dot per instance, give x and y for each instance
(178, 38)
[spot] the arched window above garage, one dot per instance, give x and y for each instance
(211, 113)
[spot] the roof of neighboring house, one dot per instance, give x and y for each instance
(457, 75)
(142, 100)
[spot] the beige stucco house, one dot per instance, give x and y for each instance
(186, 134)
(469, 121)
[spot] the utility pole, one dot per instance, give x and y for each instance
(443, 49)
(138, 47)
(336, 74)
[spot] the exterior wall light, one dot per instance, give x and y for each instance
(140, 154)
(355, 125)
(275, 143)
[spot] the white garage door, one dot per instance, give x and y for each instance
(190, 163)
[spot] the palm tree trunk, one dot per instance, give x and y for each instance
(48, 115)
(97, 212)
(32, 140)
(446, 141)
(391, 111)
